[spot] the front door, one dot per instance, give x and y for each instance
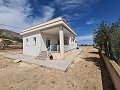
(47, 43)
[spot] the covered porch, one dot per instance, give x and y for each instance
(58, 41)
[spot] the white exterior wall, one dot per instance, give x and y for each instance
(30, 48)
(34, 50)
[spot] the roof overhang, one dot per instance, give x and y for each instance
(51, 23)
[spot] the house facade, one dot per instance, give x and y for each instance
(55, 37)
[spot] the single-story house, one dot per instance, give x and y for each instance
(54, 37)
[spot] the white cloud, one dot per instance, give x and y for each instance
(91, 21)
(73, 4)
(70, 7)
(19, 13)
(73, 17)
(70, 4)
(86, 37)
(47, 13)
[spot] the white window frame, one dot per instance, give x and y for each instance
(34, 41)
(27, 41)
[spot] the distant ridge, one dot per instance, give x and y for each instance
(9, 34)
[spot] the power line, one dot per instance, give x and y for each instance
(11, 26)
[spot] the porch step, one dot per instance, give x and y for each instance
(42, 55)
(40, 58)
(43, 52)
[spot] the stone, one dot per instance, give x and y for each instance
(17, 61)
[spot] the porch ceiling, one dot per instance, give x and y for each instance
(55, 31)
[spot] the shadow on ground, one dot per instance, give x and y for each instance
(94, 52)
(106, 79)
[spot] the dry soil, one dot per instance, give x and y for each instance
(88, 72)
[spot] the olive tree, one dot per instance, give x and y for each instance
(6, 43)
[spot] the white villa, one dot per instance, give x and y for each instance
(52, 38)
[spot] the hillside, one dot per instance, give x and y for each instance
(10, 34)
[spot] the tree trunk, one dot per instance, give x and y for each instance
(106, 48)
(110, 50)
(100, 46)
(3, 46)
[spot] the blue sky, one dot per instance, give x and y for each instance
(82, 15)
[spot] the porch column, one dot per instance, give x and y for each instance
(61, 37)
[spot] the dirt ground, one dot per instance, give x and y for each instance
(88, 72)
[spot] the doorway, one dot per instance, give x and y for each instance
(47, 43)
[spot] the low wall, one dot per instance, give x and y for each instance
(66, 54)
(114, 70)
(56, 56)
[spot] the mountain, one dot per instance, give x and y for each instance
(10, 35)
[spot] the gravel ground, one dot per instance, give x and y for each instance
(88, 72)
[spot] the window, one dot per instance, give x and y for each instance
(66, 41)
(34, 41)
(26, 41)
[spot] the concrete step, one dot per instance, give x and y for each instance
(43, 53)
(42, 56)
